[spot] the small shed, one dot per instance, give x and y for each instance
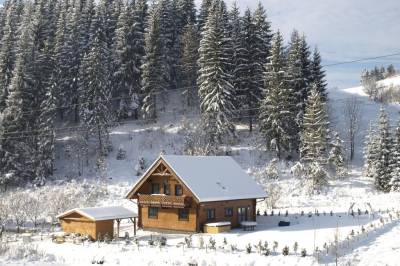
(95, 222)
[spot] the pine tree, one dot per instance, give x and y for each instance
(190, 46)
(370, 152)
(203, 14)
(215, 87)
(95, 107)
(261, 50)
(314, 135)
(155, 72)
(277, 116)
(337, 154)
(395, 167)
(7, 50)
(382, 164)
(318, 75)
(16, 150)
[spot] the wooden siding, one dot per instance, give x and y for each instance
(76, 223)
(168, 219)
(220, 206)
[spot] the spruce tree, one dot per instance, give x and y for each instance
(155, 72)
(318, 75)
(215, 87)
(95, 107)
(370, 152)
(383, 163)
(7, 49)
(336, 153)
(314, 134)
(203, 14)
(395, 167)
(277, 116)
(190, 46)
(16, 146)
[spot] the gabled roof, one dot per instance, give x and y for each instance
(102, 213)
(212, 178)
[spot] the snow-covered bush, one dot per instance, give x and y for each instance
(271, 169)
(121, 154)
(274, 192)
(4, 211)
(298, 170)
(317, 177)
(303, 252)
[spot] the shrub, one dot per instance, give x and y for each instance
(212, 243)
(303, 252)
(201, 242)
(275, 246)
(233, 248)
(285, 251)
(163, 241)
(267, 252)
(295, 247)
(248, 248)
(188, 241)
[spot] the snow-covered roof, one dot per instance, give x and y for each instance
(102, 213)
(213, 178)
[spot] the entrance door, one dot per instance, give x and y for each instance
(242, 214)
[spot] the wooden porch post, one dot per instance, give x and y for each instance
(118, 223)
(134, 226)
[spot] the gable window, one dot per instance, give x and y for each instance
(178, 190)
(167, 189)
(153, 212)
(210, 214)
(155, 188)
(228, 212)
(183, 214)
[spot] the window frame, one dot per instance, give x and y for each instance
(152, 188)
(167, 188)
(228, 212)
(149, 213)
(187, 214)
(176, 189)
(211, 210)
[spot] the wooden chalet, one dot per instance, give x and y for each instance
(184, 193)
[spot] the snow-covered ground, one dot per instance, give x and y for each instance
(377, 246)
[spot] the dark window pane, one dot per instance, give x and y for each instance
(183, 214)
(153, 212)
(228, 212)
(155, 188)
(178, 190)
(210, 214)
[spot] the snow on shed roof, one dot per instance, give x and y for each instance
(214, 178)
(102, 213)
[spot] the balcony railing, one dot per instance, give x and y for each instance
(166, 201)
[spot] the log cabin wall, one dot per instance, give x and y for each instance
(220, 215)
(76, 223)
(168, 219)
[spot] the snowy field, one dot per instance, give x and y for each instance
(374, 240)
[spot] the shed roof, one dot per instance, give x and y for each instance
(102, 213)
(213, 178)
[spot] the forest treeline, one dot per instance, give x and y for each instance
(92, 63)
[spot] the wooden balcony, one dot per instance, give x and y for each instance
(166, 201)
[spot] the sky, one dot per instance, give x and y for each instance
(343, 30)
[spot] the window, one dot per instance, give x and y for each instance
(178, 190)
(183, 214)
(155, 188)
(167, 189)
(153, 212)
(210, 214)
(228, 212)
